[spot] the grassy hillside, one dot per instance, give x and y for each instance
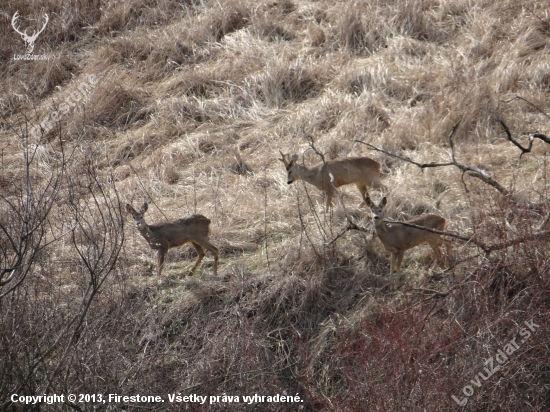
(185, 104)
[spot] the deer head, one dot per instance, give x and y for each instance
(376, 210)
(138, 216)
(288, 160)
(29, 40)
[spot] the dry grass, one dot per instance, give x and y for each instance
(194, 101)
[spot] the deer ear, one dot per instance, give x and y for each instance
(144, 208)
(383, 202)
(129, 208)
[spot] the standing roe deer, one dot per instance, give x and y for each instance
(363, 171)
(194, 229)
(398, 238)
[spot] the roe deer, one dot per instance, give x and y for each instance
(363, 171)
(398, 238)
(194, 229)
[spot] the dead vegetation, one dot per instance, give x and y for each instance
(193, 101)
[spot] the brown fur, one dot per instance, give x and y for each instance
(398, 238)
(363, 171)
(194, 229)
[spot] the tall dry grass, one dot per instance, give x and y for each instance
(193, 103)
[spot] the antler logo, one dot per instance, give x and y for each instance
(29, 40)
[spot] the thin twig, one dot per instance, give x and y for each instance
(350, 225)
(435, 292)
(526, 101)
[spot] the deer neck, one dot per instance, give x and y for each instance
(380, 226)
(311, 176)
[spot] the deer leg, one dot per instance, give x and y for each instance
(160, 260)
(392, 262)
(215, 251)
(200, 252)
(363, 189)
(399, 259)
(447, 243)
(435, 246)
(328, 199)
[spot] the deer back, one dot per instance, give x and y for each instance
(401, 237)
(432, 221)
(351, 170)
(178, 232)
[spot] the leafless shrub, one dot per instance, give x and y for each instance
(56, 205)
(25, 227)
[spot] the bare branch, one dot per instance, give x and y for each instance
(429, 229)
(482, 175)
(472, 170)
(517, 241)
(527, 149)
(420, 165)
(349, 226)
(486, 248)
